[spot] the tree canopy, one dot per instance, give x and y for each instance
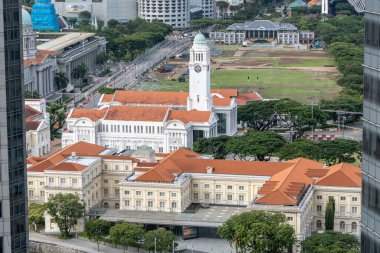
(65, 209)
(216, 146)
(57, 117)
(164, 240)
(258, 231)
(259, 115)
(36, 214)
(331, 242)
(127, 234)
(299, 148)
(97, 230)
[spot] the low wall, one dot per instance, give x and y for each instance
(43, 247)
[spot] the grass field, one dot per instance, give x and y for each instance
(271, 83)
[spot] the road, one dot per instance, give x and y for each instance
(128, 75)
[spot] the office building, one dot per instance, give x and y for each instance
(13, 200)
(370, 235)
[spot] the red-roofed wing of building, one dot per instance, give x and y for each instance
(344, 175)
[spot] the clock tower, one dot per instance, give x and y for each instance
(199, 76)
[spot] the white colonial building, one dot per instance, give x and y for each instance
(162, 120)
(37, 126)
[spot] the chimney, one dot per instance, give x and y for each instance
(209, 169)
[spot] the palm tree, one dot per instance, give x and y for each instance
(80, 71)
(61, 80)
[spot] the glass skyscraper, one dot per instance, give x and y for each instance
(370, 229)
(13, 203)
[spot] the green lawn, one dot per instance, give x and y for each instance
(272, 83)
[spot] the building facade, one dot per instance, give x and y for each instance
(208, 7)
(273, 32)
(174, 13)
(370, 222)
(121, 10)
(37, 127)
(162, 120)
(40, 66)
(13, 199)
(227, 37)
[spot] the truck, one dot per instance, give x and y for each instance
(165, 69)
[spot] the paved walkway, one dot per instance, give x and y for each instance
(209, 245)
(77, 244)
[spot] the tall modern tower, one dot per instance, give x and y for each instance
(13, 203)
(370, 224)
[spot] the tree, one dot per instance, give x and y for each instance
(299, 148)
(61, 80)
(36, 214)
(112, 23)
(162, 238)
(259, 145)
(32, 94)
(339, 151)
(258, 115)
(217, 146)
(127, 234)
(57, 117)
(97, 230)
(298, 117)
(85, 15)
(66, 210)
(258, 231)
(80, 71)
(330, 214)
(331, 242)
(102, 58)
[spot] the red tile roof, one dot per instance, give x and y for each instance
(92, 114)
(288, 180)
(81, 148)
(136, 113)
(189, 116)
(243, 99)
(41, 56)
(68, 167)
(31, 121)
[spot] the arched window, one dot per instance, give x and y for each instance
(354, 227)
(117, 206)
(105, 205)
(342, 226)
(319, 225)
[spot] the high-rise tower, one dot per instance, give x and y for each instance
(370, 217)
(13, 203)
(199, 76)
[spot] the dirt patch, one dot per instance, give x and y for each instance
(285, 53)
(289, 60)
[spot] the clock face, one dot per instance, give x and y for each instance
(198, 68)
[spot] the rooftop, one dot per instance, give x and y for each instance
(264, 25)
(286, 181)
(64, 41)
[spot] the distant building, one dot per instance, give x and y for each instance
(162, 120)
(44, 17)
(174, 13)
(37, 127)
(40, 66)
(265, 31)
(208, 7)
(227, 37)
(120, 10)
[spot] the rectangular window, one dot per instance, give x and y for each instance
(342, 198)
(174, 194)
(290, 218)
(30, 183)
(174, 205)
(150, 193)
(207, 196)
(162, 205)
(126, 192)
(241, 188)
(342, 210)
(195, 185)
(319, 208)
(75, 182)
(195, 196)
(162, 194)
(229, 197)
(42, 183)
(117, 193)
(150, 204)
(105, 167)
(117, 167)
(354, 210)
(126, 202)
(218, 196)
(117, 181)
(206, 186)
(222, 123)
(354, 199)
(319, 197)
(105, 181)
(218, 186)
(42, 193)
(138, 193)
(63, 181)
(138, 203)
(229, 187)
(30, 193)
(105, 193)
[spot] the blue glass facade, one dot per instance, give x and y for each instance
(44, 17)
